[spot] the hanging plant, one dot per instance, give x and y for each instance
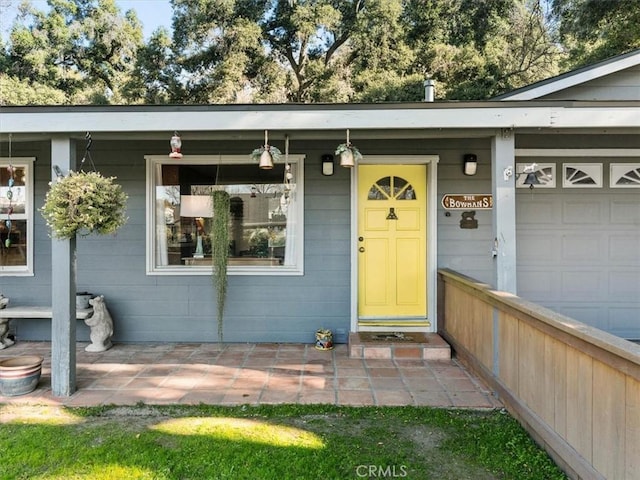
(266, 156)
(349, 154)
(220, 250)
(83, 203)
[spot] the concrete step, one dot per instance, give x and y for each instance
(400, 346)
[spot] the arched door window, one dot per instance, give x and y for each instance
(391, 188)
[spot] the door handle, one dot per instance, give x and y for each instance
(361, 249)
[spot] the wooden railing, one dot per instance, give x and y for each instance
(575, 388)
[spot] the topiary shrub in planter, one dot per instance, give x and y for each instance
(83, 203)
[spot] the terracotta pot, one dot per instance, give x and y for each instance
(20, 375)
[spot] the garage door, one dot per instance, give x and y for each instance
(579, 252)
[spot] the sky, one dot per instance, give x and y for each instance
(152, 13)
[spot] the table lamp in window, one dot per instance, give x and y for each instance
(197, 207)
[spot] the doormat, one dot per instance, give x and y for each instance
(388, 337)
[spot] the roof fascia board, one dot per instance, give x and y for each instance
(571, 79)
(588, 116)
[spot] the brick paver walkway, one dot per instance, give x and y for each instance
(232, 374)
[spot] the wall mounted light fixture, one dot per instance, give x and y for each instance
(327, 164)
(470, 164)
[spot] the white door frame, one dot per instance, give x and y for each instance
(431, 161)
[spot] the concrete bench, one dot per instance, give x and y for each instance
(97, 317)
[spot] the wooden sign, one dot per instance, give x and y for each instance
(482, 201)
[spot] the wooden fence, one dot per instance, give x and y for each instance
(575, 388)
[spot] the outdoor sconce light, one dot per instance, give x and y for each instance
(176, 144)
(327, 164)
(470, 164)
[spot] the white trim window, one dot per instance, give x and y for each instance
(16, 216)
(266, 227)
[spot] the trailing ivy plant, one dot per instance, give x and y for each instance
(83, 203)
(220, 250)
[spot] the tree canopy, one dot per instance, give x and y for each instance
(256, 51)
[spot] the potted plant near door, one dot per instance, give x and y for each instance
(349, 154)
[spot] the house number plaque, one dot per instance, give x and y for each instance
(483, 201)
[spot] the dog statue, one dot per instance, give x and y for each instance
(4, 326)
(101, 326)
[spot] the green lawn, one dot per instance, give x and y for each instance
(266, 442)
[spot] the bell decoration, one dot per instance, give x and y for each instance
(176, 144)
(266, 162)
(266, 155)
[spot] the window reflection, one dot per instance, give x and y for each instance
(262, 226)
(15, 221)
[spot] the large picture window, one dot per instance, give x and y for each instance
(265, 229)
(16, 216)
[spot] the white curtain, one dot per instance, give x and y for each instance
(291, 211)
(162, 251)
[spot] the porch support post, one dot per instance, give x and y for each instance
(504, 209)
(63, 288)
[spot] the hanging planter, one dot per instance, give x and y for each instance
(349, 154)
(84, 203)
(220, 250)
(266, 155)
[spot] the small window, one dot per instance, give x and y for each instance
(584, 175)
(16, 216)
(391, 188)
(265, 230)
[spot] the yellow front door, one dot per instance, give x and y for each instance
(392, 242)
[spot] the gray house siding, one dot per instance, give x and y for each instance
(467, 251)
(579, 249)
(181, 308)
(623, 85)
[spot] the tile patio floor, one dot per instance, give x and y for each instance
(233, 374)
